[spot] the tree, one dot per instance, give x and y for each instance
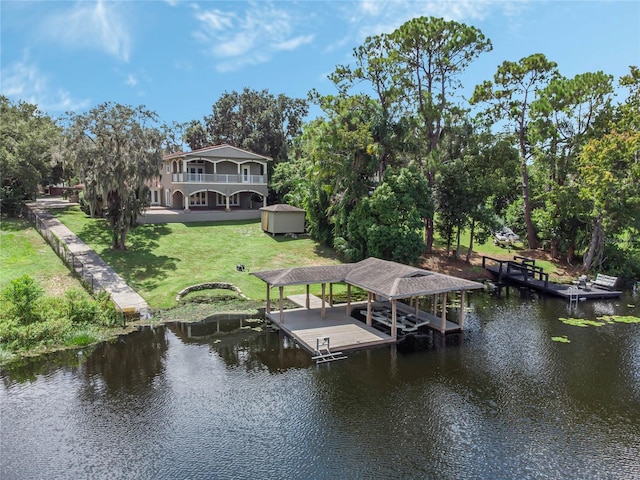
(435, 52)
(472, 183)
(388, 224)
(509, 97)
(564, 116)
(27, 140)
(116, 149)
(414, 73)
(195, 135)
(610, 175)
(254, 120)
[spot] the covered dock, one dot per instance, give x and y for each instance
(387, 284)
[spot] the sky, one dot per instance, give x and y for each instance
(178, 57)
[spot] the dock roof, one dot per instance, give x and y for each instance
(382, 277)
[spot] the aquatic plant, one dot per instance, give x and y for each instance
(581, 322)
(561, 339)
(619, 319)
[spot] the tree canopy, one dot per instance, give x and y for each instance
(27, 141)
(254, 120)
(116, 149)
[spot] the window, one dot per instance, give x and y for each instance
(168, 167)
(198, 199)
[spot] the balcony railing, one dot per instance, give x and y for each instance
(217, 178)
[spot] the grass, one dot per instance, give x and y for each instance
(24, 251)
(163, 259)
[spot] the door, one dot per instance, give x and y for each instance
(195, 174)
(246, 174)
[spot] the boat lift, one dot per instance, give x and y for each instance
(324, 353)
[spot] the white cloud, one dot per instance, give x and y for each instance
(91, 24)
(373, 17)
(23, 81)
(249, 37)
(131, 80)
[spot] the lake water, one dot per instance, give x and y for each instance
(500, 401)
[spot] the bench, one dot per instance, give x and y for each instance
(605, 281)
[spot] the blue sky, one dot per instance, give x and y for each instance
(179, 57)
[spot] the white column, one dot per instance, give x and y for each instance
(184, 169)
(186, 201)
(227, 208)
(323, 311)
(264, 200)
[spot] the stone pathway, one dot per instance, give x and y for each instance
(105, 278)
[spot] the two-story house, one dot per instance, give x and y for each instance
(219, 177)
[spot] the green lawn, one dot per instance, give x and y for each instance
(163, 259)
(24, 251)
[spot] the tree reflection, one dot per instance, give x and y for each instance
(130, 363)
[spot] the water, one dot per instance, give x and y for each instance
(501, 401)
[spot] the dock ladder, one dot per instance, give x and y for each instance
(573, 296)
(324, 353)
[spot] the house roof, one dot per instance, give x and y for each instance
(218, 151)
(282, 207)
(382, 277)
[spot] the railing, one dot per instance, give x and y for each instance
(526, 268)
(216, 178)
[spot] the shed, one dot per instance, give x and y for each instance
(282, 218)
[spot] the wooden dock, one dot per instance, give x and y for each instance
(345, 332)
(525, 273)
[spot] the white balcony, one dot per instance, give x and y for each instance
(217, 178)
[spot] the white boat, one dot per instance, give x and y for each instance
(505, 236)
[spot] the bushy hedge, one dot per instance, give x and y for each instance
(29, 319)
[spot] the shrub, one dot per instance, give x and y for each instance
(80, 308)
(21, 297)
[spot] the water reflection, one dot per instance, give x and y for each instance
(230, 398)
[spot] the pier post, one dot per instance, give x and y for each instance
(349, 299)
(268, 307)
(323, 313)
(307, 304)
(394, 330)
(281, 304)
(369, 308)
(461, 313)
(443, 318)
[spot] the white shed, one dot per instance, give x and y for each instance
(282, 218)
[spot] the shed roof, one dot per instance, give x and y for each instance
(382, 277)
(281, 207)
